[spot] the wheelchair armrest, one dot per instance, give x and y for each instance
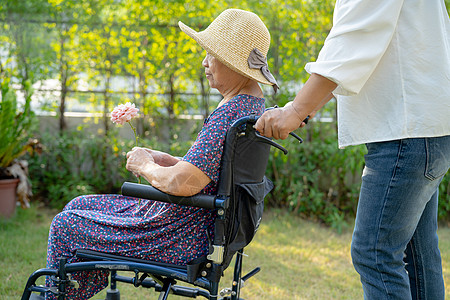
(144, 191)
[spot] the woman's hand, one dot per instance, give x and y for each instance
(180, 179)
(161, 158)
(310, 116)
(138, 159)
(278, 122)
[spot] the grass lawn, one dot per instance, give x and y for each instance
(299, 259)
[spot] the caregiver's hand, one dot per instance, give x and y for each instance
(278, 122)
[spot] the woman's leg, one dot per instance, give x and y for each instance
(85, 222)
(394, 202)
(422, 249)
(168, 233)
(103, 203)
(66, 234)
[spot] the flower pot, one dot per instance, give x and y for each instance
(8, 197)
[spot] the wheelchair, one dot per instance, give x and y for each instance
(239, 206)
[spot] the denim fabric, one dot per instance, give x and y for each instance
(394, 239)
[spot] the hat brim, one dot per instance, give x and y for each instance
(209, 45)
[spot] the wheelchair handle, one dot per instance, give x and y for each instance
(251, 121)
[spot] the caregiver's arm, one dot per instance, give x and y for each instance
(277, 123)
(181, 179)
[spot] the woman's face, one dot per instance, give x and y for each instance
(219, 76)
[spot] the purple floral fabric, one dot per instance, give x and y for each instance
(168, 233)
(207, 149)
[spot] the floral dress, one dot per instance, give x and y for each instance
(167, 233)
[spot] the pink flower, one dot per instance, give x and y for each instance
(124, 113)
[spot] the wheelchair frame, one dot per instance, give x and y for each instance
(163, 277)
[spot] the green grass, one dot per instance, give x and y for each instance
(298, 259)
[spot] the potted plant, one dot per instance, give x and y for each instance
(15, 124)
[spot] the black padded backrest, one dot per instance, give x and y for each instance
(250, 160)
(242, 179)
(244, 152)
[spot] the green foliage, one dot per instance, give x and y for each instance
(95, 41)
(298, 29)
(76, 163)
(73, 164)
(444, 197)
(15, 123)
(316, 179)
(28, 54)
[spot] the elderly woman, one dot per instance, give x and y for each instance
(236, 43)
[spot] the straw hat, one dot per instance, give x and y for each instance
(238, 39)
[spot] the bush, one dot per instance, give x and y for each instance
(444, 197)
(75, 163)
(16, 122)
(316, 179)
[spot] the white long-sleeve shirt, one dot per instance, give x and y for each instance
(391, 61)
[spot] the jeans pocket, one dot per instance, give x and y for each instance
(438, 157)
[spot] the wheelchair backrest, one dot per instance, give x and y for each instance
(242, 179)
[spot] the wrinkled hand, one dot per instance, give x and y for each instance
(137, 160)
(278, 122)
(161, 158)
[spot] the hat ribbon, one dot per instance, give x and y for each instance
(257, 60)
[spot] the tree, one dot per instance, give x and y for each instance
(28, 56)
(141, 42)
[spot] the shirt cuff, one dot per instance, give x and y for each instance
(315, 67)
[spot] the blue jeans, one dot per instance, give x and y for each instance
(395, 244)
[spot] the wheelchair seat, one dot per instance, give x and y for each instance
(239, 205)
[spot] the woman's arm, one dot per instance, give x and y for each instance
(314, 112)
(180, 179)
